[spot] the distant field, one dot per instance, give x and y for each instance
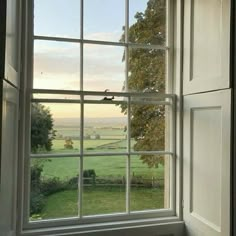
(58, 145)
(68, 167)
(102, 131)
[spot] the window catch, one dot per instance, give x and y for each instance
(108, 98)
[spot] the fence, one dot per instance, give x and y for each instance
(153, 182)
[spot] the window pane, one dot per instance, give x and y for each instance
(149, 188)
(104, 185)
(104, 19)
(147, 22)
(58, 18)
(56, 65)
(55, 128)
(105, 129)
(54, 188)
(147, 70)
(148, 127)
(103, 68)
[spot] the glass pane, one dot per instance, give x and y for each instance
(55, 128)
(103, 68)
(105, 128)
(104, 185)
(150, 185)
(53, 182)
(148, 127)
(58, 18)
(147, 22)
(56, 65)
(104, 19)
(147, 70)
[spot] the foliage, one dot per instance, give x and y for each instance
(42, 132)
(37, 200)
(68, 143)
(42, 188)
(52, 185)
(147, 74)
(89, 173)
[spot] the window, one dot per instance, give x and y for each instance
(100, 112)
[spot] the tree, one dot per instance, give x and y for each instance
(42, 132)
(68, 143)
(147, 73)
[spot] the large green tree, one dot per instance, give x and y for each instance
(42, 132)
(147, 73)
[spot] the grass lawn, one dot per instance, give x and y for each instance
(101, 201)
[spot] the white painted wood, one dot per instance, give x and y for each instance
(166, 229)
(207, 120)
(9, 160)
(13, 35)
(206, 45)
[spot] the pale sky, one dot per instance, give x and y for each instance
(57, 64)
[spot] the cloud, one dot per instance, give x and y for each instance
(57, 65)
(104, 36)
(103, 67)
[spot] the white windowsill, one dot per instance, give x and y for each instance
(170, 226)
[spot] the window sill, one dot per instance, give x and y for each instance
(150, 227)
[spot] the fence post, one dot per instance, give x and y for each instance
(93, 180)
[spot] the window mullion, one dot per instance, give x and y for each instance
(128, 181)
(81, 157)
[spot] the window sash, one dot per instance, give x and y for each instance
(169, 70)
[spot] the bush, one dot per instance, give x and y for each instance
(40, 189)
(37, 202)
(37, 199)
(73, 183)
(89, 173)
(52, 185)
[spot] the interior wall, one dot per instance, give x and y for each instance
(2, 59)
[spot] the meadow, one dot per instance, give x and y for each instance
(100, 198)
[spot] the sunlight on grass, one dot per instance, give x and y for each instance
(101, 201)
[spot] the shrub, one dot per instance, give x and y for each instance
(73, 183)
(37, 200)
(53, 185)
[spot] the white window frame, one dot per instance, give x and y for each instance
(168, 215)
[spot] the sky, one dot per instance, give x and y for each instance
(57, 64)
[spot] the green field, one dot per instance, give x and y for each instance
(98, 199)
(101, 201)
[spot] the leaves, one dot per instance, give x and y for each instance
(147, 72)
(42, 132)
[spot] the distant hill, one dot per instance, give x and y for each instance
(104, 121)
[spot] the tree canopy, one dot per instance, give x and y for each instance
(42, 132)
(147, 73)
